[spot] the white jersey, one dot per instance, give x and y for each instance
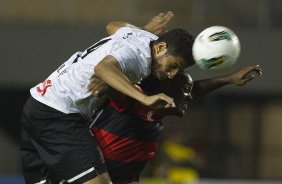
(66, 88)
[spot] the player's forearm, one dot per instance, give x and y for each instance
(205, 86)
(238, 78)
(109, 71)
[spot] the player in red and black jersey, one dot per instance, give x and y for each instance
(128, 132)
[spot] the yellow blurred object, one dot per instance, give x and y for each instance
(180, 155)
(178, 152)
(191, 178)
(182, 175)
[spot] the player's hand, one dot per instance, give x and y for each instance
(159, 101)
(158, 24)
(245, 74)
(97, 86)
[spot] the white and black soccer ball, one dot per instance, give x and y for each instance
(216, 48)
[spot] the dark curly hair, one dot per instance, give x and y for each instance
(179, 43)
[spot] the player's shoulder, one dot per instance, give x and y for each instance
(136, 32)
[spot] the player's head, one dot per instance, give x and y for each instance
(172, 53)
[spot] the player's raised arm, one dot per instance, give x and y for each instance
(109, 71)
(239, 78)
(157, 25)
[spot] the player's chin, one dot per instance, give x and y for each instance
(182, 109)
(180, 112)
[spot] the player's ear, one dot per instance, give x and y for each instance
(161, 48)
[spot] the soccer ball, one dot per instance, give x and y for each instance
(216, 48)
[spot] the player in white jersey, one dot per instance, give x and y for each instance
(56, 117)
(66, 88)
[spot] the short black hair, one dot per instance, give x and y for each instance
(179, 43)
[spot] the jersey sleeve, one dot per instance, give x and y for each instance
(131, 47)
(133, 65)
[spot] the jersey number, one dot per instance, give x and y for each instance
(45, 84)
(92, 48)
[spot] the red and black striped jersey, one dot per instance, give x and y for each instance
(128, 134)
(127, 142)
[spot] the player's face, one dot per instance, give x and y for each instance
(184, 98)
(166, 66)
(179, 89)
(183, 85)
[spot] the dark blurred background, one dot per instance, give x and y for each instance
(235, 132)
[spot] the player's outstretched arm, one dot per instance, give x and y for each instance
(157, 25)
(239, 78)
